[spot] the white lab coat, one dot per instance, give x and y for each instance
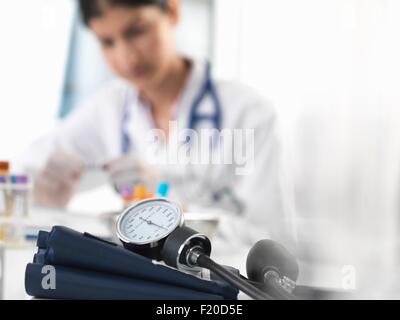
(93, 131)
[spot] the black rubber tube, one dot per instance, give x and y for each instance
(206, 262)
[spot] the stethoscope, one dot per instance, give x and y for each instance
(195, 117)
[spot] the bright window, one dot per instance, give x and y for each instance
(35, 40)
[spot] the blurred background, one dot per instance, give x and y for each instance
(330, 67)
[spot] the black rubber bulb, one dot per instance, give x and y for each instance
(268, 255)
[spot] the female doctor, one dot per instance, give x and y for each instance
(156, 86)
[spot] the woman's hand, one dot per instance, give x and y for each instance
(54, 186)
(131, 171)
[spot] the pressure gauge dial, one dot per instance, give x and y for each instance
(144, 226)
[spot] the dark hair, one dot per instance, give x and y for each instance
(95, 8)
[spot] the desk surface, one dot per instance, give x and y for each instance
(16, 259)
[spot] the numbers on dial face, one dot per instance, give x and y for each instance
(150, 222)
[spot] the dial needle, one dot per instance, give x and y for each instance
(152, 223)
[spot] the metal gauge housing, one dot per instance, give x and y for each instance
(144, 226)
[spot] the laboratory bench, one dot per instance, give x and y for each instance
(14, 258)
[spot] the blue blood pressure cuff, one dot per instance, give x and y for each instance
(85, 267)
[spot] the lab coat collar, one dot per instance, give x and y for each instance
(183, 104)
(190, 91)
(140, 117)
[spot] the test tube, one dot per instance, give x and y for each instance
(5, 197)
(139, 192)
(20, 194)
(4, 203)
(162, 189)
(13, 228)
(4, 168)
(3, 190)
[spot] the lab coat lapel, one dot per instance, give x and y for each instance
(193, 174)
(175, 170)
(139, 126)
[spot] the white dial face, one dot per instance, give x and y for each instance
(149, 221)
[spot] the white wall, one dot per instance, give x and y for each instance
(331, 67)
